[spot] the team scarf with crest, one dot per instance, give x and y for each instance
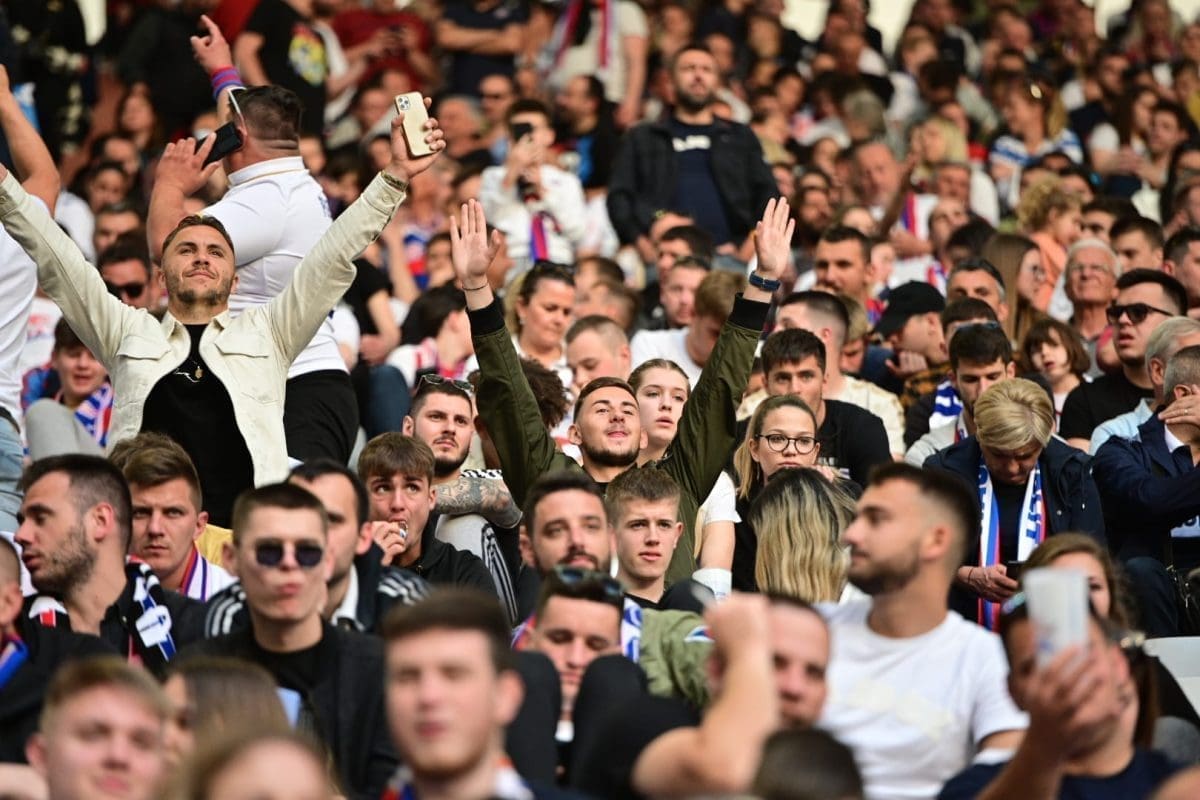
(1031, 531)
(508, 786)
(149, 623)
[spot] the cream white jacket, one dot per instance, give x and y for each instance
(249, 354)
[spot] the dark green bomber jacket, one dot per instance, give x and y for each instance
(703, 444)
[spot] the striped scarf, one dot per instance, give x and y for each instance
(148, 624)
(946, 405)
(572, 28)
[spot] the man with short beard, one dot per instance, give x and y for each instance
(694, 162)
(914, 689)
(443, 416)
(211, 381)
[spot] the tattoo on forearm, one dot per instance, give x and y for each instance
(484, 496)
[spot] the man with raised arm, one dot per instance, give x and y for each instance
(212, 382)
(607, 426)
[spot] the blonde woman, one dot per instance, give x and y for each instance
(1030, 486)
(1037, 126)
(1053, 218)
(798, 518)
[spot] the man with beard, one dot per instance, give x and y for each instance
(74, 534)
(443, 417)
(399, 471)
(914, 689)
(274, 213)
(212, 382)
(607, 425)
(694, 162)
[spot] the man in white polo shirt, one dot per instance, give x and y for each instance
(275, 212)
(914, 689)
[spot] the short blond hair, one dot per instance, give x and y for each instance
(1013, 414)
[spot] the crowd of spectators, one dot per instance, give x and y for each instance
(471, 399)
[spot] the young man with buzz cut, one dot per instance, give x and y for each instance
(331, 679)
(452, 687)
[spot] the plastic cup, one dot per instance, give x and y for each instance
(1058, 609)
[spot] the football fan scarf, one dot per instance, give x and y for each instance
(1031, 531)
(572, 29)
(149, 622)
(13, 653)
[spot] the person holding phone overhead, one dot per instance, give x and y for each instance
(539, 207)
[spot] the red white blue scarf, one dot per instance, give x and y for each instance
(1031, 532)
(13, 653)
(567, 34)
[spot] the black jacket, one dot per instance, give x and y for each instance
(21, 697)
(645, 175)
(347, 702)
(379, 588)
(1072, 500)
(1148, 490)
(445, 565)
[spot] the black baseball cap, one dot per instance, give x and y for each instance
(908, 300)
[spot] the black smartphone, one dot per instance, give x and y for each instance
(229, 140)
(1013, 569)
(520, 130)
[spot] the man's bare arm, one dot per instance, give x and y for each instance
(474, 495)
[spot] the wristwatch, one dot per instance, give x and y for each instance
(766, 284)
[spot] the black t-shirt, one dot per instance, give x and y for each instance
(696, 190)
(852, 440)
(300, 671)
(1144, 773)
(293, 56)
(607, 771)
(369, 280)
(467, 69)
(682, 596)
(193, 407)
(1091, 404)
(1009, 498)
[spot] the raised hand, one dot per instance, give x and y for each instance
(773, 239)
(182, 165)
(470, 249)
(404, 165)
(212, 51)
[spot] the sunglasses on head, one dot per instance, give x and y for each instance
(270, 552)
(131, 290)
(1137, 312)
(572, 576)
(432, 379)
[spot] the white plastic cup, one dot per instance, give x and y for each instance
(1058, 609)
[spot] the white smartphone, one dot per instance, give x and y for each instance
(412, 106)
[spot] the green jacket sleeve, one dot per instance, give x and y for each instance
(673, 652)
(707, 434)
(508, 407)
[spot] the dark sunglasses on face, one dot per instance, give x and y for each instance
(131, 290)
(270, 552)
(1137, 312)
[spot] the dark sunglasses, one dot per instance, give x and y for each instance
(1137, 312)
(270, 553)
(573, 576)
(131, 290)
(432, 379)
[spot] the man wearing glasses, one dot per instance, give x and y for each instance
(332, 679)
(1145, 299)
(127, 272)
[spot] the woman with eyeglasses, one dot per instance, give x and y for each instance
(1036, 125)
(1020, 263)
(782, 434)
(538, 314)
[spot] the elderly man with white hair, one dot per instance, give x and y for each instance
(1089, 285)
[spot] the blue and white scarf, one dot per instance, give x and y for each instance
(1031, 533)
(946, 405)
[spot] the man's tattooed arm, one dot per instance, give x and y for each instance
(487, 497)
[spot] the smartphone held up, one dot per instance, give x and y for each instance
(412, 106)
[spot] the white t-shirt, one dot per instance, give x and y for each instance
(669, 344)
(584, 59)
(914, 710)
(18, 283)
(721, 503)
(275, 214)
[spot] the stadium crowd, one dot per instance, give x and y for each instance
(510, 399)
